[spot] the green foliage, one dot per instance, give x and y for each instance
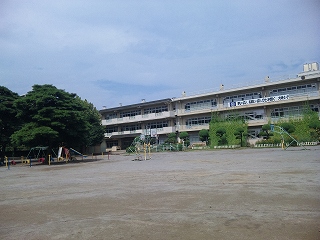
(306, 129)
(289, 127)
(224, 131)
(172, 138)
(266, 127)
(185, 137)
(33, 134)
(204, 135)
(221, 135)
(96, 131)
(8, 121)
(266, 131)
(315, 124)
(239, 133)
(53, 117)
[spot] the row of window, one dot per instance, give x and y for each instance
(294, 89)
(198, 121)
(130, 113)
(160, 124)
(152, 125)
(242, 97)
(291, 111)
(201, 104)
(245, 116)
(111, 129)
(156, 109)
(133, 113)
(131, 127)
(111, 116)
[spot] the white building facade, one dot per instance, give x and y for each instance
(259, 104)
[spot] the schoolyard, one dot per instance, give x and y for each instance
(222, 194)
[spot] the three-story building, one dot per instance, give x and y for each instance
(259, 104)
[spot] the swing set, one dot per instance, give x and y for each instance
(39, 153)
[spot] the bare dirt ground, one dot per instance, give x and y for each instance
(222, 194)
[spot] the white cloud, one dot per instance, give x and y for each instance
(162, 47)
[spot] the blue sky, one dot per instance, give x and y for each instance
(112, 52)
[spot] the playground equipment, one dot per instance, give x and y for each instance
(68, 154)
(281, 131)
(38, 153)
(141, 145)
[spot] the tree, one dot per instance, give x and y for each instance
(221, 134)
(96, 130)
(54, 117)
(204, 135)
(266, 131)
(315, 126)
(172, 138)
(185, 137)
(288, 127)
(8, 121)
(239, 134)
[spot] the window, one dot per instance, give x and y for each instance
(130, 113)
(110, 116)
(160, 124)
(198, 121)
(156, 109)
(131, 127)
(291, 111)
(111, 129)
(201, 104)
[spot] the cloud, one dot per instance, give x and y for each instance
(153, 48)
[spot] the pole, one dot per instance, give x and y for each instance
(6, 161)
(30, 162)
(8, 164)
(49, 162)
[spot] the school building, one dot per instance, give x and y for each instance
(258, 103)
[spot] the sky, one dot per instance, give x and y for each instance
(122, 51)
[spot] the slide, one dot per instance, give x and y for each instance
(75, 151)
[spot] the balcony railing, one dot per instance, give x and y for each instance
(158, 131)
(139, 118)
(226, 105)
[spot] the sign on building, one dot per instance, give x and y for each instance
(259, 100)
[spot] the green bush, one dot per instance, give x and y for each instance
(224, 131)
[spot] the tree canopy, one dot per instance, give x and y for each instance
(204, 135)
(8, 121)
(53, 117)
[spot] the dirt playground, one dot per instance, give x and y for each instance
(222, 194)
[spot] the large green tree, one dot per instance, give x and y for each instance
(96, 130)
(8, 121)
(54, 117)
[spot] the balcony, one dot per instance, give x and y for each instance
(187, 128)
(139, 118)
(226, 105)
(159, 131)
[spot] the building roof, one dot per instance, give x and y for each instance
(137, 105)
